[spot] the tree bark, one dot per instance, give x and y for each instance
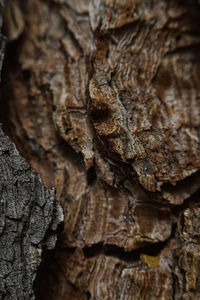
(102, 98)
(28, 219)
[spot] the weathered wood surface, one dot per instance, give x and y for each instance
(103, 101)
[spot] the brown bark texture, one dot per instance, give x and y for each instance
(102, 97)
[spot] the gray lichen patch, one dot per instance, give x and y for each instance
(29, 216)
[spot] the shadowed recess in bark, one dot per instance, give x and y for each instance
(114, 251)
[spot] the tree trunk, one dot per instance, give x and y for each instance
(102, 98)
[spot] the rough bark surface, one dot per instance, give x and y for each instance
(102, 97)
(29, 216)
